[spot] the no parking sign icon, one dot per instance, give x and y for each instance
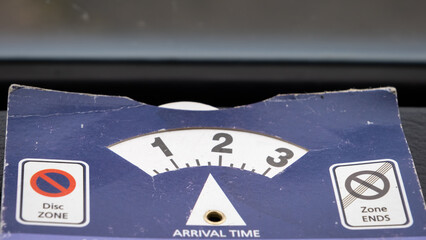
(53, 183)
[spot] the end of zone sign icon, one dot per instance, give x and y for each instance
(371, 195)
(53, 193)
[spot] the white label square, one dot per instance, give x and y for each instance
(53, 193)
(370, 195)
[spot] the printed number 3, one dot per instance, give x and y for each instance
(283, 159)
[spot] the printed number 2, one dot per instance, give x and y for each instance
(283, 159)
(221, 146)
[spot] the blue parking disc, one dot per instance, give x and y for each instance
(325, 165)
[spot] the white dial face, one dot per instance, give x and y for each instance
(172, 150)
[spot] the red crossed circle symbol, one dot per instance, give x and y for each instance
(62, 190)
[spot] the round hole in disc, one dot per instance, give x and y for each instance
(214, 217)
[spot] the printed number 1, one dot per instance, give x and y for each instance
(159, 143)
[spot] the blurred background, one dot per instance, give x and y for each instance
(223, 53)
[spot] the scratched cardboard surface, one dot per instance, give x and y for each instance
(344, 169)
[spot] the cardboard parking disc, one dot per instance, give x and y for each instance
(325, 165)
